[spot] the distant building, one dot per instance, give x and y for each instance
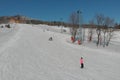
(13, 19)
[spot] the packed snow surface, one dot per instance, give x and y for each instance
(27, 54)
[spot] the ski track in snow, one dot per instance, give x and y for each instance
(11, 42)
(28, 55)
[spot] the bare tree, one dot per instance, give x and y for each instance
(105, 25)
(90, 30)
(74, 23)
(108, 22)
(99, 21)
(104, 30)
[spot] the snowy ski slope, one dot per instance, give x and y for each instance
(27, 54)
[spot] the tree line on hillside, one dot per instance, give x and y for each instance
(27, 20)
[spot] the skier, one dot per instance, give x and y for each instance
(50, 39)
(81, 62)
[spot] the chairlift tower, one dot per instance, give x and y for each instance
(61, 21)
(80, 33)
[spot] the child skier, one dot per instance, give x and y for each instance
(81, 62)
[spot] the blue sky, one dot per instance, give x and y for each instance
(54, 10)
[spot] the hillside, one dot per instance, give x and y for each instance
(28, 20)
